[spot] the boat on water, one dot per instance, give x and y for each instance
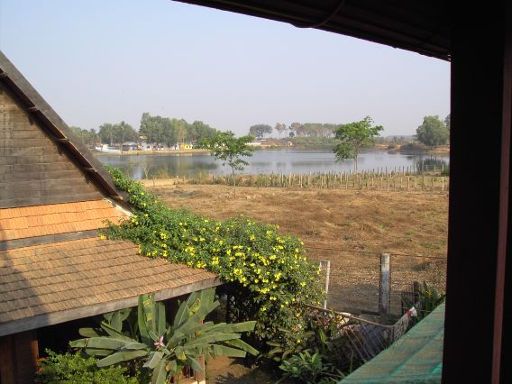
(107, 148)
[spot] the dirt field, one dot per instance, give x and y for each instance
(348, 227)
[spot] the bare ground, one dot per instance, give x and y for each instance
(351, 228)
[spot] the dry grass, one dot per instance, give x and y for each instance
(350, 228)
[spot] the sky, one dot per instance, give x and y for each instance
(100, 61)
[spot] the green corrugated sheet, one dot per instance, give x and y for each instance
(415, 358)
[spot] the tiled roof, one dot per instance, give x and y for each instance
(58, 282)
(41, 220)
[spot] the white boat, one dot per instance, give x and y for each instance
(107, 148)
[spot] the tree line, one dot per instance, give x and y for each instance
(295, 129)
(153, 129)
(432, 132)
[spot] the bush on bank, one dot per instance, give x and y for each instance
(270, 278)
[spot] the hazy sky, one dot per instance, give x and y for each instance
(99, 61)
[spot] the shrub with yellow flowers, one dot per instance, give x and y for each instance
(268, 276)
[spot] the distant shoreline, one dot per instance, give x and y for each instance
(440, 150)
(187, 152)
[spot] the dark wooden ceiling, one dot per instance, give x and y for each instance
(420, 26)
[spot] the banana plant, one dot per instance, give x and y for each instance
(165, 348)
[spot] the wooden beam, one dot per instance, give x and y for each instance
(478, 147)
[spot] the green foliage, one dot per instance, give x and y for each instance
(433, 131)
(447, 121)
(269, 275)
(76, 369)
(429, 298)
(310, 367)
(226, 147)
(86, 137)
(117, 133)
(353, 136)
(164, 130)
(426, 300)
(260, 130)
(164, 348)
(310, 142)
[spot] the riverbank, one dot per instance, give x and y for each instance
(163, 152)
(351, 228)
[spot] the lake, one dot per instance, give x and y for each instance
(267, 161)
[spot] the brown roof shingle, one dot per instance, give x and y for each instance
(52, 283)
(42, 220)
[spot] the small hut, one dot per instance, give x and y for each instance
(54, 269)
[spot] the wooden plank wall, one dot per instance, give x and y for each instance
(18, 358)
(32, 170)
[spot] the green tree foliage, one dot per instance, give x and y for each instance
(267, 273)
(229, 149)
(165, 348)
(164, 130)
(157, 129)
(199, 130)
(447, 121)
(352, 137)
(86, 137)
(260, 130)
(117, 133)
(280, 128)
(312, 129)
(310, 368)
(433, 131)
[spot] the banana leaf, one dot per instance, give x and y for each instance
(154, 359)
(119, 357)
(240, 344)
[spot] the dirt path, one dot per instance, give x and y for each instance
(350, 228)
(223, 370)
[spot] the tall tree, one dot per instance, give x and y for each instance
(447, 121)
(433, 131)
(229, 149)
(280, 128)
(125, 132)
(158, 129)
(106, 133)
(260, 130)
(199, 130)
(296, 128)
(353, 136)
(87, 137)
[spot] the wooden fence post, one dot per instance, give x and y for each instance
(327, 278)
(384, 284)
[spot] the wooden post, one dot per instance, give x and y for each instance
(18, 357)
(384, 284)
(327, 278)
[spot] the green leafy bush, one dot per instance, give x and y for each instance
(271, 278)
(76, 369)
(310, 368)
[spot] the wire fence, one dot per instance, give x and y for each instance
(354, 284)
(381, 179)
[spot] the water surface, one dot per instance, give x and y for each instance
(267, 161)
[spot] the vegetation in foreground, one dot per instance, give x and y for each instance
(351, 228)
(269, 271)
